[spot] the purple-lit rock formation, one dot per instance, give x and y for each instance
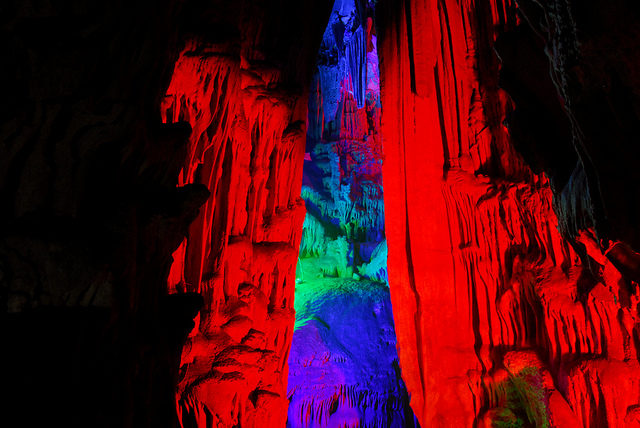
(343, 366)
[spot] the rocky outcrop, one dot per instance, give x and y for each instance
(513, 253)
(491, 301)
(587, 51)
(243, 89)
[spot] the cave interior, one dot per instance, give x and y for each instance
(322, 214)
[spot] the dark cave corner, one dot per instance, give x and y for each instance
(91, 215)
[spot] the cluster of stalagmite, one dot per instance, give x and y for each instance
(342, 180)
(343, 365)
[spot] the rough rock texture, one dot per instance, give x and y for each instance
(342, 182)
(244, 91)
(343, 366)
(490, 301)
(589, 52)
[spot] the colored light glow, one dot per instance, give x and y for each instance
(343, 364)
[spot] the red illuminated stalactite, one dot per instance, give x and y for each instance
(247, 147)
(476, 263)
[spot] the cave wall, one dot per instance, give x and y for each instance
(494, 291)
(343, 365)
(243, 88)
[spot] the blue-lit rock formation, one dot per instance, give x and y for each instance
(342, 184)
(343, 366)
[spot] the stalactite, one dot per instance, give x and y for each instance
(477, 262)
(246, 107)
(342, 184)
(343, 362)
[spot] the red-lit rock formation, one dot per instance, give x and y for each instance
(487, 295)
(244, 93)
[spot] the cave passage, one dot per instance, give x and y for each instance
(343, 364)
